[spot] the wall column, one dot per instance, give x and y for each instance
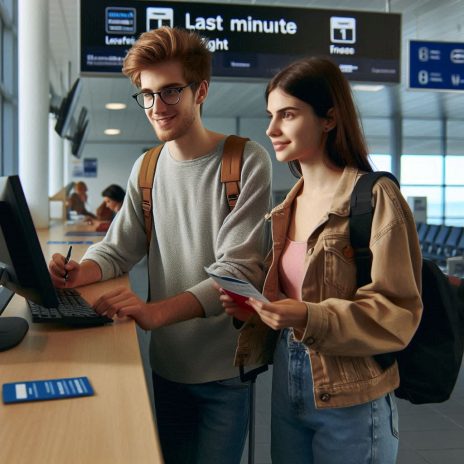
(56, 158)
(396, 144)
(67, 156)
(33, 105)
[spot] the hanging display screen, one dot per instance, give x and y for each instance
(436, 65)
(247, 41)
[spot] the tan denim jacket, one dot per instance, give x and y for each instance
(346, 325)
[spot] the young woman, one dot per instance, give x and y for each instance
(332, 403)
(113, 197)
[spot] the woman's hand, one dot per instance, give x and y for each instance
(281, 314)
(231, 307)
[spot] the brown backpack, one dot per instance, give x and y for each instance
(231, 166)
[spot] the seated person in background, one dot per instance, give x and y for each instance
(113, 196)
(76, 202)
(104, 213)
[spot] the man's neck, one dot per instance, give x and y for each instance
(194, 144)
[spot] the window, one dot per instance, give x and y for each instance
(8, 88)
(439, 179)
(381, 162)
(434, 196)
(454, 205)
(421, 170)
(454, 169)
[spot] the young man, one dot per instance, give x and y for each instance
(201, 405)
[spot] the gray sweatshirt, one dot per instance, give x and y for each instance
(193, 228)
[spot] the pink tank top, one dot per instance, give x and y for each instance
(291, 268)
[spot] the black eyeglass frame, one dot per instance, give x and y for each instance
(177, 89)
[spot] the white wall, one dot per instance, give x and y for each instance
(114, 164)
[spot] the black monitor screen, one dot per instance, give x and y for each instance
(67, 108)
(247, 41)
(79, 139)
(24, 270)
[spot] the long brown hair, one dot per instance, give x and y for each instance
(319, 82)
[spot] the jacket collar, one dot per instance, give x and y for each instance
(341, 201)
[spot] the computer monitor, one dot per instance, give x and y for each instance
(67, 108)
(82, 118)
(23, 269)
(79, 139)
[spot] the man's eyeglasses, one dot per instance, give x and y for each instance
(169, 96)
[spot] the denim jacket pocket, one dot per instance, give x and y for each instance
(339, 266)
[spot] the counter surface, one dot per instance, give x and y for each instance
(116, 424)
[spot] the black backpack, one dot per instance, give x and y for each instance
(429, 365)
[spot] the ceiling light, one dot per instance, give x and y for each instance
(112, 131)
(368, 88)
(115, 106)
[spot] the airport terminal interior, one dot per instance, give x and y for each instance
(410, 103)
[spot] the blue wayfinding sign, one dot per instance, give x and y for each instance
(436, 65)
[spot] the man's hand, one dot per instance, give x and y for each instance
(231, 307)
(122, 302)
(63, 274)
(73, 274)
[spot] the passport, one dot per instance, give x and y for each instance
(50, 389)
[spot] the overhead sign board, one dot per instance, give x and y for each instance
(247, 41)
(436, 65)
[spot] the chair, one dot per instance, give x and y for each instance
(460, 247)
(429, 240)
(436, 249)
(451, 244)
(422, 229)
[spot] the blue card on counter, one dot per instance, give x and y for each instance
(51, 389)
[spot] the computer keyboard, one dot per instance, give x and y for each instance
(72, 310)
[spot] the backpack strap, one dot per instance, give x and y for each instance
(361, 213)
(146, 178)
(231, 167)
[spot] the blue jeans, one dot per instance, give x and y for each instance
(202, 423)
(300, 433)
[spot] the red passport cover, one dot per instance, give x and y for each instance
(240, 300)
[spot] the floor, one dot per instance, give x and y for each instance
(429, 434)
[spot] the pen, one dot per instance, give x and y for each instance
(66, 261)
